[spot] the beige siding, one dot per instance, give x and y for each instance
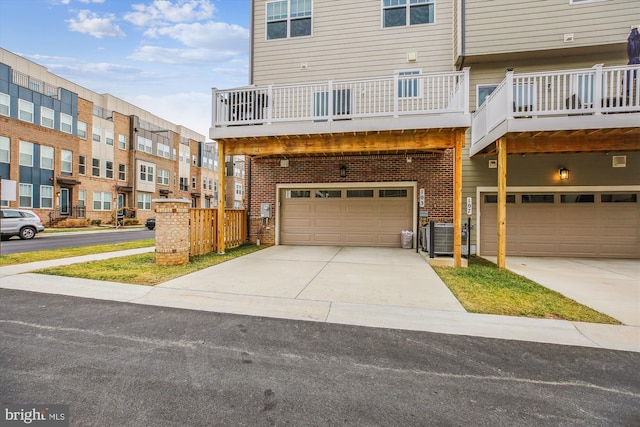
(502, 26)
(348, 41)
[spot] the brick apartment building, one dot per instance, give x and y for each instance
(73, 153)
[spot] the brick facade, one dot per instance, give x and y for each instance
(172, 231)
(432, 172)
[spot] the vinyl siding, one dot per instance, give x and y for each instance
(503, 26)
(348, 41)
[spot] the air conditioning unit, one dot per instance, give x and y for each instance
(442, 239)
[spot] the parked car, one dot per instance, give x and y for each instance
(19, 222)
(150, 223)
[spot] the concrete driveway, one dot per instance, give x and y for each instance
(372, 276)
(610, 286)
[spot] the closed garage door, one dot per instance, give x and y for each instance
(345, 216)
(585, 224)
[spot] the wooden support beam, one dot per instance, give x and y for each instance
(457, 200)
(341, 144)
(220, 228)
(502, 203)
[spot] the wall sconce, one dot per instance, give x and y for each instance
(563, 173)
(343, 171)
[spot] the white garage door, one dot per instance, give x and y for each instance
(586, 224)
(346, 216)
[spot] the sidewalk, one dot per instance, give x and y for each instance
(180, 294)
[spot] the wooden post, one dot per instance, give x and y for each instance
(502, 203)
(221, 195)
(457, 199)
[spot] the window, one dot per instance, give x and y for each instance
(238, 190)
(359, 193)
(82, 198)
(122, 141)
(144, 201)
(108, 137)
(194, 182)
(328, 194)
(146, 173)
(145, 145)
(46, 197)
(288, 18)
(211, 184)
(66, 123)
(26, 153)
(174, 154)
(66, 162)
(101, 201)
(537, 198)
(482, 92)
(46, 157)
(619, 198)
(297, 194)
(184, 184)
(204, 183)
(163, 176)
(194, 160)
(95, 167)
(82, 130)
(82, 165)
(493, 198)
(5, 104)
(122, 171)
(108, 169)
(25, 110)
(5, 150)
(577, 198)
(162, 150)
(393, 193)
(400, 13)
(409, 87)
(26, 195)
(46, 117)
(96, 134)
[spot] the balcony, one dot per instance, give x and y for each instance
(397, 103)
(588, 109)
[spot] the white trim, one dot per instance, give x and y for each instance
(406, 184)
(548, 188)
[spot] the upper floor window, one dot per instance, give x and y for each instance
(46, 117)
(96, 134)
(288, 18)
(25, 110)
(108, 137)
(122, 171)
(82, 130)
(66, 162)
(82, 165)
(26, 153)
(46, 157)
(162, 150)
(400, 13)
(122, 141)
(145, 144)
(5, 150)
(66, 123)
(5, 104)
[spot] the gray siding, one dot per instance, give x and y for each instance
(503, 26)
(348, 41)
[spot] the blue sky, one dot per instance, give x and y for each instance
(161, 55)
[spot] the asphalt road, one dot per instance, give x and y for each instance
(120, 364)
(70, 240)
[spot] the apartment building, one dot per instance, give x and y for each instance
(365, 118)
(73, 153)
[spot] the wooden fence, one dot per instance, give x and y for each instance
(203, 230)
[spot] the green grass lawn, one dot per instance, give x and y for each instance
(483, 288)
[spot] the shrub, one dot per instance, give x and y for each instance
(71, 223)
(131, 221)
(96, 221)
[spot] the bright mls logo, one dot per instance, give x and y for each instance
(34, 415)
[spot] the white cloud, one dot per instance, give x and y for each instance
(164, 12)
(88, 22)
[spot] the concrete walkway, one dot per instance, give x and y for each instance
(388, 288)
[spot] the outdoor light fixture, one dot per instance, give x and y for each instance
(563, 173)
(343, 171)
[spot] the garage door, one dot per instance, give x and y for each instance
(586, 224)
(345, 216)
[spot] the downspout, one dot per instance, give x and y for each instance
(251, 19)
(463, 44)
(248, 177)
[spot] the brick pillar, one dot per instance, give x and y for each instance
(172, 231)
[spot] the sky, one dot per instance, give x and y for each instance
(161, 55)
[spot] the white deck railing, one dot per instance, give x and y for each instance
(396, 96)
(594, 91)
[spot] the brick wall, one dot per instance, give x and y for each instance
(172, 231)
(432, 172)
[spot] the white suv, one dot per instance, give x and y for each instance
(19, 222)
